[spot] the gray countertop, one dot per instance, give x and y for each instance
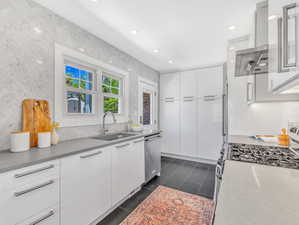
(11, 161)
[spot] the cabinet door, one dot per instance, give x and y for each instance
(85, 186)
(188, 127)
(170, 124)
(188, 84)
(137, 164)
(283, 43)
(170, 86)
(210, 81)
(121, 168)
(209, 135)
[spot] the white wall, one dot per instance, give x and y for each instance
(258, 118)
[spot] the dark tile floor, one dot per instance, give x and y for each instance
(192, 177)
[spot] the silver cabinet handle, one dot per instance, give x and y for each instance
(209, 97)
(280, 68)
(34, 171)
(286, 62)
(90, 155)
(17, 194)
(51, 213)
(122, 146)
(139, 141)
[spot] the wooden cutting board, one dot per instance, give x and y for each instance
(36, 118)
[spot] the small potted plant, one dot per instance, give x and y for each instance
(54, 135)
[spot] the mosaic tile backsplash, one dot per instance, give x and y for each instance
(28, 32)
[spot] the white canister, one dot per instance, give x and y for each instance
(44, 139)
(19, 141)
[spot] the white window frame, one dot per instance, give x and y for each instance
(63, 54)
(120, 96)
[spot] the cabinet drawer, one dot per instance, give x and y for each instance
(49, 216)
(31, 174)
(22, 202)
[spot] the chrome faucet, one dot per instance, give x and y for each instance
(104, 119)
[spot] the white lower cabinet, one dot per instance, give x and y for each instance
(85, 186)
(76, 190)
(22, 200)
(128, 171)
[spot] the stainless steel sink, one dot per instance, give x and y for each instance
(113, 137)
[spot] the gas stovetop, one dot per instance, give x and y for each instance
(264, 155)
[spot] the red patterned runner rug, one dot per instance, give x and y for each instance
(166, 206)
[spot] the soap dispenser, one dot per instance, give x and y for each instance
(284, 139)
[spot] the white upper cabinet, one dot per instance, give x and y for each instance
(170, 86)
(85, 186)
(188, 84)
(283, 43)
(210, 81)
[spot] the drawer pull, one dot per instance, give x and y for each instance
(17, 194)
(122, 146)
(90, 155)
(139, 141)
(51, 213)
(34, 171)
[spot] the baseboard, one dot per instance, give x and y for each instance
(190, 158)
(115, 206)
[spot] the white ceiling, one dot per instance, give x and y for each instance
(191, 33)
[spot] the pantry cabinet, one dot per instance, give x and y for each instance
(171, 86)
(195, 118)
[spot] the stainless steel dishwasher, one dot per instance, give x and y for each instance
(152, 156)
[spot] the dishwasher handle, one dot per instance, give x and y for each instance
(153, 137)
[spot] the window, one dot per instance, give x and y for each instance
(84, 89)
(79, 82)
(112, 93)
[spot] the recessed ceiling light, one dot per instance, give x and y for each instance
(232, 27)
(170, 61)
(156, 50)
(110, 61)
(134, 32)
(81, 49)
(94, 0)
(37, 30)
(273, 17)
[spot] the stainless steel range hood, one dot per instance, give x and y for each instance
(254, 61)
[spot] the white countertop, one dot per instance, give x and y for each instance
(253, 194)
(241, 139)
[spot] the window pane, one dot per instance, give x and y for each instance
(106, 89)
(115, 83)
(115, 91)
(78, 102)
(86, 103)
(73, 102)
(71, 72)
(107, 81)
(72, 82)
(146, 108)
(111, 104)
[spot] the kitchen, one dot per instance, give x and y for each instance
(112, 116)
